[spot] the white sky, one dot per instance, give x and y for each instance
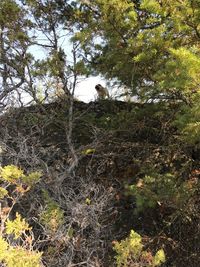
(85, 90)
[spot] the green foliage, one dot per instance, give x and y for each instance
(15, 175)
(191, 132)
(160, 189)
(9, 13)
(132, 36)
(18, 256)
(18, 252)
(88, 201)
(17, 227)
(151, 6)
(3, 192)
(11, 173)
(188, 122)
(180, 74)
(32, 178)
(130, 253)
(81, 69)
(3, 247)
(131, 246)
(14, 40)
(159, 258)
(52, 216)
(88, 151)
(152, 47)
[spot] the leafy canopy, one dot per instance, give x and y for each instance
(150, 46)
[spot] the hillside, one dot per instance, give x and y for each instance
(124, 167)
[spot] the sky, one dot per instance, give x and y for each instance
(85, 90)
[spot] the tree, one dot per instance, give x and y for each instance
(50, 33)
(53, 24)
(149, 46)
(44, 26)
(14, 56)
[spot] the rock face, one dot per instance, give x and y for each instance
(86, 169)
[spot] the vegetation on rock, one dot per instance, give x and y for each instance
(110, 182)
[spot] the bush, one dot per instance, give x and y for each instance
(16, 236)
(188, 122)
(161, 189)
(130, 253)
(52, 217)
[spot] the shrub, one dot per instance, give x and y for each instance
(16, 236)
(130, 253)
(162, 189)
(17, 227)
(14, 175)
(17, 256)
(52, 217)
(188, 122)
